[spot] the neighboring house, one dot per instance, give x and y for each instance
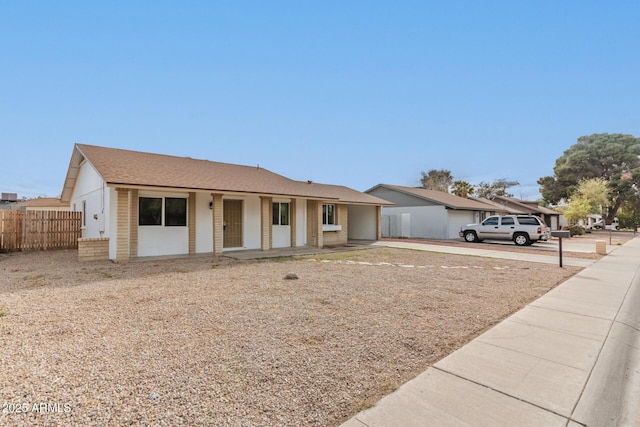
(43, 204)
(516, 206)
(8, 197)
(143, 204)
(500, 208)
(8, 200)
(429, 214)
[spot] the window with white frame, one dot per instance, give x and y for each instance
(328, 214)
(151, 211)
(280, 213)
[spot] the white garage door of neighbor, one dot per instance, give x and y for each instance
(458, 219)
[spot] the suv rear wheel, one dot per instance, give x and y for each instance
(521, 239)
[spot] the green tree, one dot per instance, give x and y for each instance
(596, 192)
(462, 188)
(591, 197)
(577, 209)
(612, 157)
(551, 191)
(439, 180)
(501, 185)
(629, 213)
(484, 190)
(497, 188)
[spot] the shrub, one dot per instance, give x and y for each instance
(574, 230)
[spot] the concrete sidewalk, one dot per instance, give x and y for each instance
(570, 358)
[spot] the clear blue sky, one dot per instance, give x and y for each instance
(341, 92)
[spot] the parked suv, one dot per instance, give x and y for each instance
(522, 229)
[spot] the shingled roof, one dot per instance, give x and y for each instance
(119, 167)
(530, 207)
(450, 201)
(499, 207)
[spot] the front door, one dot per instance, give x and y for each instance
(281, 225)
(232, 223)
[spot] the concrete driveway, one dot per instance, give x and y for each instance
(552, 245)
(585, 243)
(548, 256)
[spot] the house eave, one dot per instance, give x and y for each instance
(72, 174)
(462, 208)
(213, 190)
(326, 199)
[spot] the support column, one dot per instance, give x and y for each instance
(292, 223)
(378, 222)
(315, 238)
(191, 222)
(133, 224)
(266, 218)
(122, 225)
(218, 229)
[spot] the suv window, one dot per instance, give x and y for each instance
(507, 220)
(528, 220)
(493, 220)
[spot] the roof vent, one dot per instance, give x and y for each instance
(309, 181)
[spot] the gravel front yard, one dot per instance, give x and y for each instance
(202, 342)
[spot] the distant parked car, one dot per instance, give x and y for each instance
(598, 225)
(523, 230)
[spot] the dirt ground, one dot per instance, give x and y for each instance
(199, 341)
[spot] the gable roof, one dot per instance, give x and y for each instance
(499, 207)
(343, 194)
(119, 167)
(450, 201)
(523, 205)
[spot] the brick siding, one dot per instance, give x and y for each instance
(133, 224)
(93, 249)
(122, 223)
(292, 223)
(218, 229)
(266, 216)
(334, 238)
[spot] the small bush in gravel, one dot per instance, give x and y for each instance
(388, 387)
(364, 404)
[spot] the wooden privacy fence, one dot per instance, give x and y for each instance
(39, 230)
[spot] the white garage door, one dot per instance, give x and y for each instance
(458, 219)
